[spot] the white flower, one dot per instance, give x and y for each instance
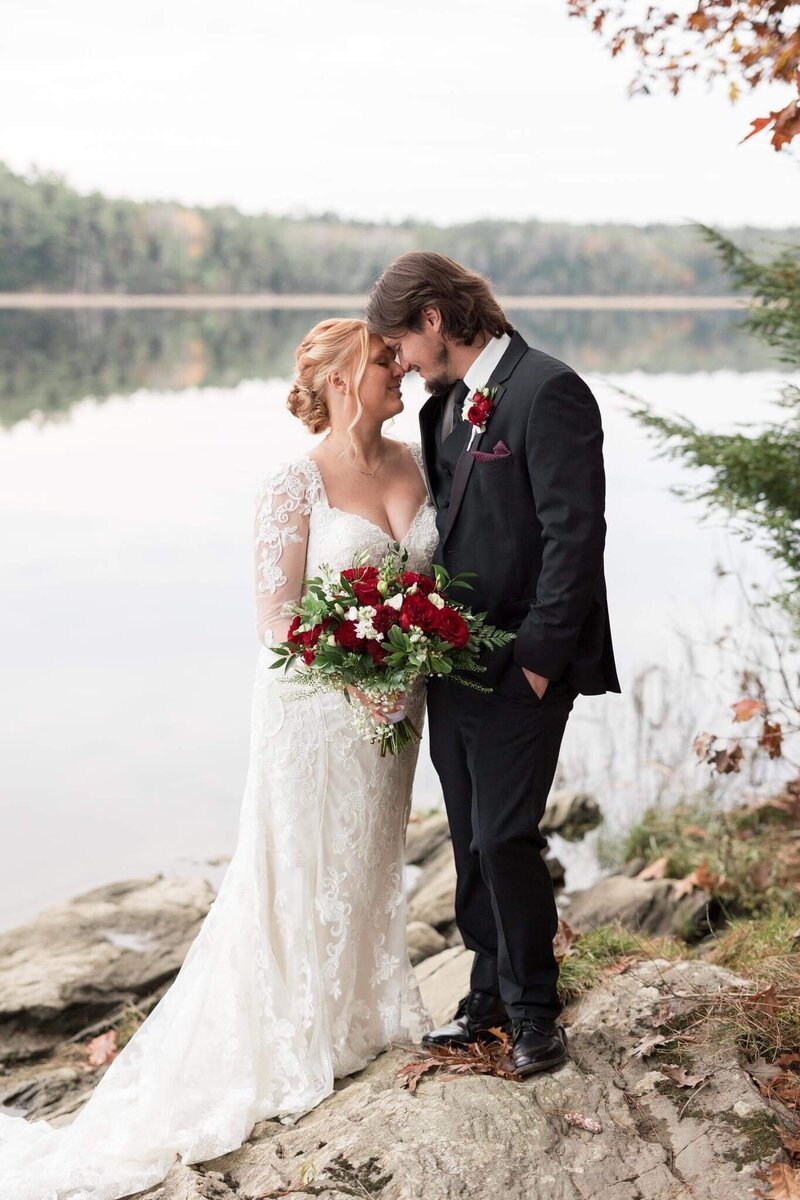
(396, 602)
(331, 640)
(352, 613)
(436, 600)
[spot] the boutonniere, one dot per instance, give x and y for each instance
(479, 411)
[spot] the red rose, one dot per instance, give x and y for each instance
(423, 582)
(345, 635)
(308, 656)
(479, 411)
(364, 581)
(452, 627)
(418, 610)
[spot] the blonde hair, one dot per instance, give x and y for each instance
(337, 344)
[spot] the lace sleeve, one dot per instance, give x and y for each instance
(283, 507)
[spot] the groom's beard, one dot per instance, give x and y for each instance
(444, 374)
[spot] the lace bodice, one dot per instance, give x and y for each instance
(297, 530)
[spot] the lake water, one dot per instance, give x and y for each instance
(130, 451)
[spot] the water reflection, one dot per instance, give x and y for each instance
(48, 361)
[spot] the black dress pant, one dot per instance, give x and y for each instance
(496, 757)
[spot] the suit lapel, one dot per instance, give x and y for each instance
(466, 461)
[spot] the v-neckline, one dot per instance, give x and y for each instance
(360, 516)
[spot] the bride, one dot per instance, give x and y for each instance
(299, 973)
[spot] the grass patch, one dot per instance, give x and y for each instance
(593, 954)
(747, 858)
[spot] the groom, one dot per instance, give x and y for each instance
(519, 485)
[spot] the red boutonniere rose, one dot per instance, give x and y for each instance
(480, 410)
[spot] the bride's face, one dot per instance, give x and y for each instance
(380, 385)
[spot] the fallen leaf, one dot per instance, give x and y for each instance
(701, 877)
(102, 1049)
(663, 1015)
(681, 1078)
(767, 1000)
(654, 870)
(622, 964)
(582, 1122)
(762, 1071)
(562, 942)
(791, 1142)
(745, 710)
(648, 1044)
(783, 1182)
(411, 1073)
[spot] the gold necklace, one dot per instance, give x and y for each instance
(371, 474)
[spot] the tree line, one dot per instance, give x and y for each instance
(52, 238)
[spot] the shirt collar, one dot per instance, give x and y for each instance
(481, 370)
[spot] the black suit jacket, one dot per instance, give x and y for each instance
(531, 522)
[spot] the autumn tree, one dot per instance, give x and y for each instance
(744, 43)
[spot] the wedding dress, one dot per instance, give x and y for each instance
(299, 973)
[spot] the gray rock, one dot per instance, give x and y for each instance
(433, 897)
(646, 905)
(425, 835)
(570, 813)
(473, 1137)
(423, 941)
(86, 957)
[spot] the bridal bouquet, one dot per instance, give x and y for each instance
(380, 629)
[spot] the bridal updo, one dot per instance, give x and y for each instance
(339, 344)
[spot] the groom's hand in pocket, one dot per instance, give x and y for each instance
(538, 682)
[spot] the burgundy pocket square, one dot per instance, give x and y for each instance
(499, 450)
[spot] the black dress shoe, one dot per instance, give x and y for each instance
(537, 1045)
(477, 1012)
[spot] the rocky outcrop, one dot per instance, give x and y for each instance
(609, 1123)
(644, 905)
(570, 813)
(634, 1114)
(82, 959)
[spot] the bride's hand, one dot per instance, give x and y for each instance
(395, 702)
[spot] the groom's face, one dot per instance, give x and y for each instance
(426, 351)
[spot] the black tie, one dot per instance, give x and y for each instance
(460, 390)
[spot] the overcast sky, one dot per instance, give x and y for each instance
(448, 111)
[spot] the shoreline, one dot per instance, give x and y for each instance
(267, 301)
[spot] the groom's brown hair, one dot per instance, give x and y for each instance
(423, 279)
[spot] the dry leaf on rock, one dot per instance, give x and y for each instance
(782, 1181)
(762, 1071)
(662, 1015)
(648, 1044)
(681, 1077)
(654, 870)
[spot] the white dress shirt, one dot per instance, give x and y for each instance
(480, 372)
(478, 375)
